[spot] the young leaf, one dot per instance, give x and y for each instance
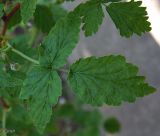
(108, 79)
(27, 9)
(43, 86)
(129, 17)
(61, 41)
(92, 16)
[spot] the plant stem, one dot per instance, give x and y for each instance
(4, 116)
(24, 56)
(6, 18)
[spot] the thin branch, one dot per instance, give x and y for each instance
(6, 18)
(4, 116)
(3, 103)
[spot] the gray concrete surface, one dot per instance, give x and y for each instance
(143, 117)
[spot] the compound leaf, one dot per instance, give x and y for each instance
(43, 87)
(27, 9)
(129, 17)
(61, 41)
(108, 79)
(92, 16)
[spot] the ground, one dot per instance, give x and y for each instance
(141, 118)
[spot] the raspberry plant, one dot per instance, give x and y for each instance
(37, 37)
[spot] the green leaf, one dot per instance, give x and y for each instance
(1, 10)
(43, 87)
(112, 125)
(15, 19)
(43, 84)
(43, 18)
(57, 12)
(60, 42)
(27, 9)
(92, 16)
(108, 79)
(111, 0)
(129, 17)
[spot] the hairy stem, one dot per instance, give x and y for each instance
(22, 54)
(4, 116)
(25, 56)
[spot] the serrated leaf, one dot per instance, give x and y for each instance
(27, 9)
(43, 18)
(92, 16)
(108, 79)
(129, 17)
(44, 87)
(111, 0)
(60, 42)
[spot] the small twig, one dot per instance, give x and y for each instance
(22, 54)
(4, 116)
(6, 18)
(25, 56)
(3, 103)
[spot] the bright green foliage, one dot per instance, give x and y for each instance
(108, 79)
(1, 10)
(42, 15)
(28, 9)
(129, 17)
(43, 83)
(43, 86)
(60, 42)
(30, 56)
(112, 125)
(92, 16)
